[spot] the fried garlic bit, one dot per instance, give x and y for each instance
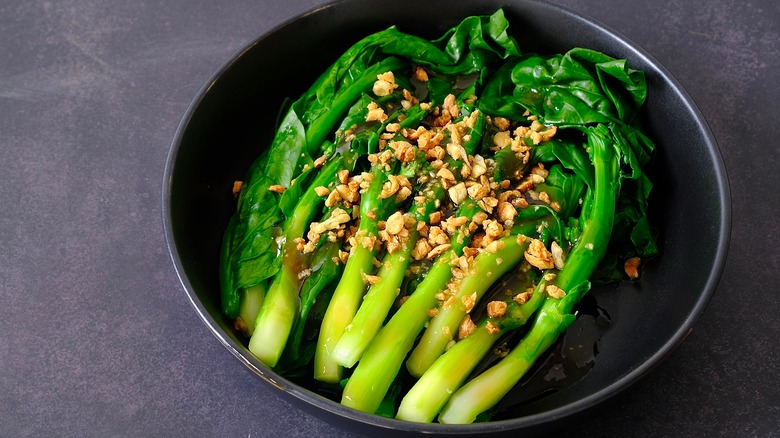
(538, 255)
(385, 84)
(466, 327)
(496, 309)
(631, 267)
(237, 188)
(555, 292)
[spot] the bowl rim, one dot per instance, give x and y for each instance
(537, 419)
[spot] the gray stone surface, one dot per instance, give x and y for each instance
(97, 337)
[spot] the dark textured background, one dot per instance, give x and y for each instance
(97, 337)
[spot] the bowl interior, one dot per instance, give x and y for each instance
(232, 121)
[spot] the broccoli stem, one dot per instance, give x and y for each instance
(555, 315)
(487, 268)
(384, 356)
(280, 305)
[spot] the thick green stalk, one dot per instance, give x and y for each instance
(375, 306)
(428, 395)
(380, 297)
(343, 305)
(555, 314)
(488, 388)
(448, 372)
(278, 311)
(280, 305)
(349, 292)
(487, 268)
(384, 356)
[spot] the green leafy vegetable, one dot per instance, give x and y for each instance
(424, 199)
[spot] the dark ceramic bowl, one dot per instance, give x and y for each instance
(232, 119)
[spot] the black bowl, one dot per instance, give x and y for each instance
(232, 120)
